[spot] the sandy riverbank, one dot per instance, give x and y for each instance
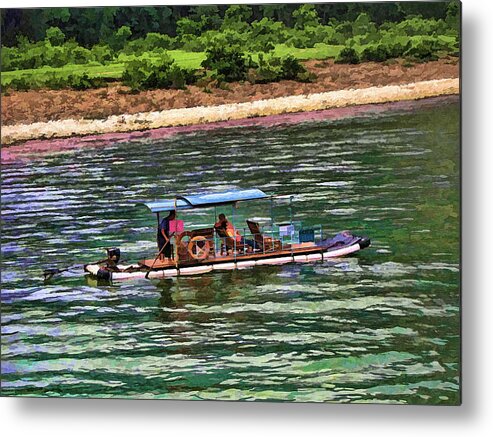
(226, 112)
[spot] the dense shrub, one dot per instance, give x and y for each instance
(236, 18)
(291, 68)
(419, 26)
(312, 35)
(9, 58)
(44, 54)
(158, 41)
(376, 53)
(363, 25)
(102, 54)
(84, 82)
(416, 48)
(448, 45)
(274, 69)
(180, 77)
(136, 47)
(275, 30)
(58, 56)
(347, 55)
(228, 38)
(227, 63)
(345, 29)
(364, 39)
(383, 51)
(153, 42)
(52, 80)
(265, 34)
(192, 43)
(299, 39)
(423, 49)
(186, 26)
(21, 83)
(148, 73)
(118, 40)
(261, 44)
(55, 36)
(452, 18)
(306, 16)
(80, 55)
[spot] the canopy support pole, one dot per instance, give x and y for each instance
(215, 233)
(291, 226)
(291, 210)
(234, 227)
(176, 247)
(158, 223)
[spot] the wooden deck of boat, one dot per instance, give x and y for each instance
(295, 249)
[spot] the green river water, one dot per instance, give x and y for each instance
(380, 326)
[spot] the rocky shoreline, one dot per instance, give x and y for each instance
(226, 112)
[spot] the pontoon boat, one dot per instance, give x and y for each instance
(207, 249)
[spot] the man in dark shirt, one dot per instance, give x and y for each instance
(163, 236)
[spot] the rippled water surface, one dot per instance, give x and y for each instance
(381, 326)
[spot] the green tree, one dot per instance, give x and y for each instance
(424, 9)
(165, 21)
(306, 16)
(119, 38)
(363, 25)
(107, 23)
(55, 36)
(278, 12)
(453, 15)
(56, 16)
(207, 15)
(147, 73)
(274, 31)
(347, 56)
(85, 25)
(186, 26)
(236, 17)
(227, 63)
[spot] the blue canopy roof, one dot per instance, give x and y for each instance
(205, 200)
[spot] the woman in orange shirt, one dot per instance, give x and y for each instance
(231, 231)
(228, 227)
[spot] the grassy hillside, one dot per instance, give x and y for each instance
(189, 60)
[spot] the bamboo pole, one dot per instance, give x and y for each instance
(176, 246)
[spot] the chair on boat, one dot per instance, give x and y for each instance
(228, 243)
(265, 244)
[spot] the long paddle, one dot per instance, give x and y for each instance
(49, 273)
(155, 259)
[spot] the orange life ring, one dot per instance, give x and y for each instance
(201, 250)
(184, 234)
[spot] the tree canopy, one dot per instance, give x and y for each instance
(90, 26)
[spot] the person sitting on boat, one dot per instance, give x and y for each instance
(228, 227)
(164, 236)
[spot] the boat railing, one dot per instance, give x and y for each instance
(272, 239)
